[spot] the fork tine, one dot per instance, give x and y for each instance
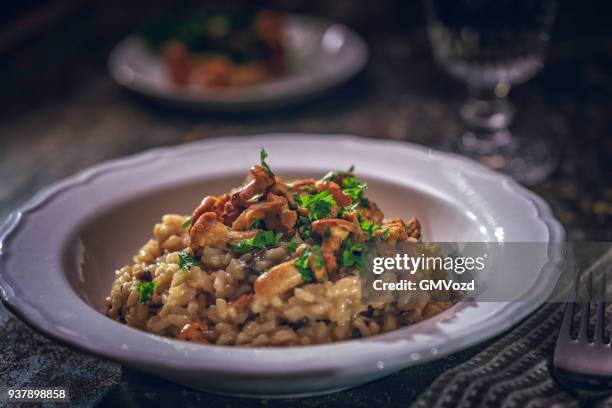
(570, 309)
(598, 336)
(568, 317)
(600, 321)
(583, 332)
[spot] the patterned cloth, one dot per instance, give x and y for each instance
(512, 372)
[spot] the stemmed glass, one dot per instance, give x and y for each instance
(492, 45)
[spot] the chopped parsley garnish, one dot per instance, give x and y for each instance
(303, 226)
(332, 175)
(186, 261)
(351, 255)
(368, 228)
(386, 233)
(301, 264)
(318, 205)
(187, 223)
(145, 291)
(291, 247)
(355, 206)
(262, 240)
(310, 189)
(263, 155)
(354, 188)
(327, 233)
(317, 258)
(255, 224)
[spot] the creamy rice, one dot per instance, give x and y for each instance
(214, 300)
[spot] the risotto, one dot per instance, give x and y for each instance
(272, 263)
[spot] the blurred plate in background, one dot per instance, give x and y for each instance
(320, 54)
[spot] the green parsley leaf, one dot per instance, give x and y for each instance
(187, 223)
(386, 233)
(303, 226)
(332, 175)
(255, 224)
(354, 188)
(263, 239)
(368, 228)
(318, 205)
(351, 255)
(317, 258)
(186, 261)
(301, 264)
(263, 155)
(291, 247)
(145, 291)
(311, 189)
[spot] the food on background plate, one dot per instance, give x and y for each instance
(219, 49)
(272, 263)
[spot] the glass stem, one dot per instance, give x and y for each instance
(487, 113)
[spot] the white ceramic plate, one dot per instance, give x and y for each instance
(320, 56)
(59, 251)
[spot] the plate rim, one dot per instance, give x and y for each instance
(506, 316)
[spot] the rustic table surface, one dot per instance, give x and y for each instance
(61, 114)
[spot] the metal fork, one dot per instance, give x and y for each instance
(584, 365)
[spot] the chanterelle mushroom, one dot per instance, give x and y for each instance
(282, 189)
(274, 212)
(278, 279)
(414, 228)
(395, 231)
(371, 213)
(208, 231)
(258, 184)
(340, 196)
(237, 236)
(194, 331)
(339, 230)
(298, 185)
(214, 204)
(354, 218)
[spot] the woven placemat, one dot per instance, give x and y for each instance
(513, 372)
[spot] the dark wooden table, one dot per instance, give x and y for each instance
(61, 113)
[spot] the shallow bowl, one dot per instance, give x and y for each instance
(58, 254)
